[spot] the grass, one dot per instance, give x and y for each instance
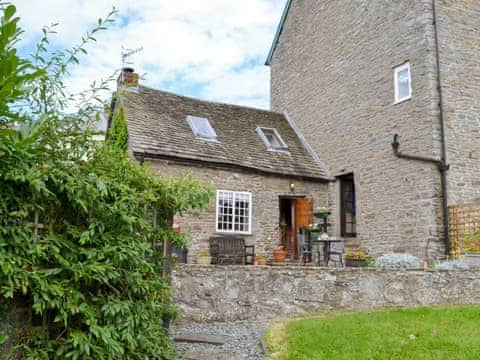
(423, 333)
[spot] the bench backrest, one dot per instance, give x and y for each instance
(228, 245)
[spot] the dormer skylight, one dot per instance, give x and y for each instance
(272, 139)
(201, 128)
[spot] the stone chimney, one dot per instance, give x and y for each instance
(128, 78)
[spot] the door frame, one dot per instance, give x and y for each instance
(293, 253)
(342, 211)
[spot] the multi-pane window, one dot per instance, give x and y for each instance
(402, 82)
(201, 127)
(234, 211)
(271, 138)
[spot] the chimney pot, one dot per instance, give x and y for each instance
(128, 77)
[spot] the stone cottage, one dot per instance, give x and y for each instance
(352, 74)
(262, 170)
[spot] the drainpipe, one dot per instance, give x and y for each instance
(443, 167)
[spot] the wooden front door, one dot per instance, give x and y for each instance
(303, 217)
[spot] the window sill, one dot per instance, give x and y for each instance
(402, 101)
(232, 233)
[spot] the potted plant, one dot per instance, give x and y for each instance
(355, 258)
(260, 259)
(204, 258)
(279, 254)
(321, 212)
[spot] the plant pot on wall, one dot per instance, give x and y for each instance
(260, 259)
(204, 258)
(354, 262)
(279, 254)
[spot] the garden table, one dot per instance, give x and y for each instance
(326, 244)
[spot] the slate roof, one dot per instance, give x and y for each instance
(157, 126)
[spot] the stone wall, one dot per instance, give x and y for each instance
(333, 73)
(214, 293)
(459, 33)
(265, 191)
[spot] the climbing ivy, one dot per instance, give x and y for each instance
(117, 133)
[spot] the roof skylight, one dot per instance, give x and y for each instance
(272, 139)
(201, 127)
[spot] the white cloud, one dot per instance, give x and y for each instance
(215, 47)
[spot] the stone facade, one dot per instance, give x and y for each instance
(265, 189)
(332, 71)
(459, 34)
(215, 293)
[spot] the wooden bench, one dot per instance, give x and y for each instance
(230, 250)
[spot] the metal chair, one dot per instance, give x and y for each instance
(337, 249)
(303, 250)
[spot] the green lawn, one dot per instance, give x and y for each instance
(425, 333)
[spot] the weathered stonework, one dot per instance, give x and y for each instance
(459, 35)
(215, 293)
(332, 71)
(265, 190)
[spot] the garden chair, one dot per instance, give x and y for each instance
(303, 249)
(337, 250)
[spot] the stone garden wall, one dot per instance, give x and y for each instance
(227, 293)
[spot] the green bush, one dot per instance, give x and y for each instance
(90, 273)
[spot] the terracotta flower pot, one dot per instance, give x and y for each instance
(279, 255)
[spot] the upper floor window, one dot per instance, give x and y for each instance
(403, 82)
(201, 128)
(272, 138)
(234, 212)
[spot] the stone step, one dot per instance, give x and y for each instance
(201, 339)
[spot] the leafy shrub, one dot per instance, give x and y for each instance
(452, 265)
(397, 261)
(91, 272)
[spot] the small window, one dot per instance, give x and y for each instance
(201, 127)
(234, 212)
(403, 83)
(272, 139)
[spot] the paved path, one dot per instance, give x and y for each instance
(243, 340)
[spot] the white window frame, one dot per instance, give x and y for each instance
(233, 231)
(191, 121)
(396, 84)
(283, 146)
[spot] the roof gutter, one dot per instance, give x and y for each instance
(278, 33)
(143, 156)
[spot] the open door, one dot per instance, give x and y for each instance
(303, 212)
(303, 217)
(295, 213)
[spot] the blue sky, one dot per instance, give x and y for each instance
(211, 49)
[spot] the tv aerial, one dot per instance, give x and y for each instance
(126, 53)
